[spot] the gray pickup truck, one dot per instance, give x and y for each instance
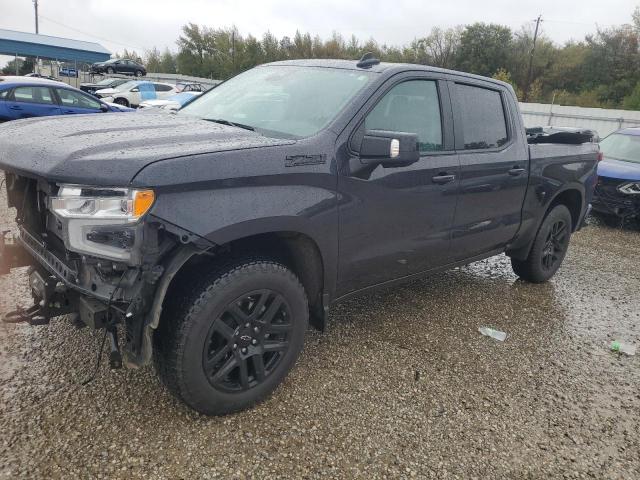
(213, 236)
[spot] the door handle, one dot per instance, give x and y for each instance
(443, 178)
(15, 107)
(515, 171)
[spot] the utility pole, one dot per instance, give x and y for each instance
(533, 51)
(233, 50)
(35, 7)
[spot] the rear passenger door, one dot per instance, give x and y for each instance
(31, 101)
(494, 166)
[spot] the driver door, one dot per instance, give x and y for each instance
(397, 221)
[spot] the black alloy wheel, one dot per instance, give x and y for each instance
(556, 245)
(247, 342)
(230, 335)
(549, 247)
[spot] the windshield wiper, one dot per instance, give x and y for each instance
(231, 124)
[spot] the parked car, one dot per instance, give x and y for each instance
(119, 65)
(172, 103)
(190, 87)
(132, 93)
(39, 75)
(216, 234)
(25, 97)
(91, 88)
(68, 72)
(618, 189)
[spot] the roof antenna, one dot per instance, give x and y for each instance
(368, 60)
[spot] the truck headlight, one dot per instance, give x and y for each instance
(632, 188)
(102, 222)
(102, 203)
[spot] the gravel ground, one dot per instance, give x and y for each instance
(402, 385)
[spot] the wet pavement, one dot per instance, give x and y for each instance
(402, 385)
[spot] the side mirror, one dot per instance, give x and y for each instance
(389, 149)
(136, 89)
(104, 108)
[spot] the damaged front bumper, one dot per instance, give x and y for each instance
(99, 295)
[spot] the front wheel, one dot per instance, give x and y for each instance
(549, 247)
(122, 101)
(138, 73)
(110, 71)
(233, 337)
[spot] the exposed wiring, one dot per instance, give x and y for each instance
(104, 337)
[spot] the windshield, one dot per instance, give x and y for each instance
(622, 147)
(106, 81)
(126, 86)
(284, 101)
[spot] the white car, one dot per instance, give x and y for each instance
(133, 93)
(172, 103)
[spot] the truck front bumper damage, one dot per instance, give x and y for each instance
(132, 296)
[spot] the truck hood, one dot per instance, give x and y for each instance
(111, 149)
(619, 169)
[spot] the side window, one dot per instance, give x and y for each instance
(4, 94)
(162, 88)
(483, 117)
(412, 107)
(69, 98)
(33, 95)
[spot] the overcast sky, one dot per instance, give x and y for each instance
(142, 24)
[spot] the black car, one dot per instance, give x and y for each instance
(91, 88)
(215, 235)
(119, 65)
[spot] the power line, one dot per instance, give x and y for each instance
(92, 35)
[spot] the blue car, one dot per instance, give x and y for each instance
(26, 97)
(618, 189)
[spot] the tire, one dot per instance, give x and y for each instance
(205, 353)
(549, 247)
(122, 101)
(110, 71)
(138, 73)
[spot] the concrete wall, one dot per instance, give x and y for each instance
(603, 121)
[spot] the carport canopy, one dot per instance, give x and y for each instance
(22, 44)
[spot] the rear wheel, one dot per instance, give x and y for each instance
(233, 338)
(110, 71)
(549, 247)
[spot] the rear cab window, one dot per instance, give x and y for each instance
(483, 117)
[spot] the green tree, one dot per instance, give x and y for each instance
(632, 101)
(23, 66)
(167, 62)
(152, 60)
(484, 48)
